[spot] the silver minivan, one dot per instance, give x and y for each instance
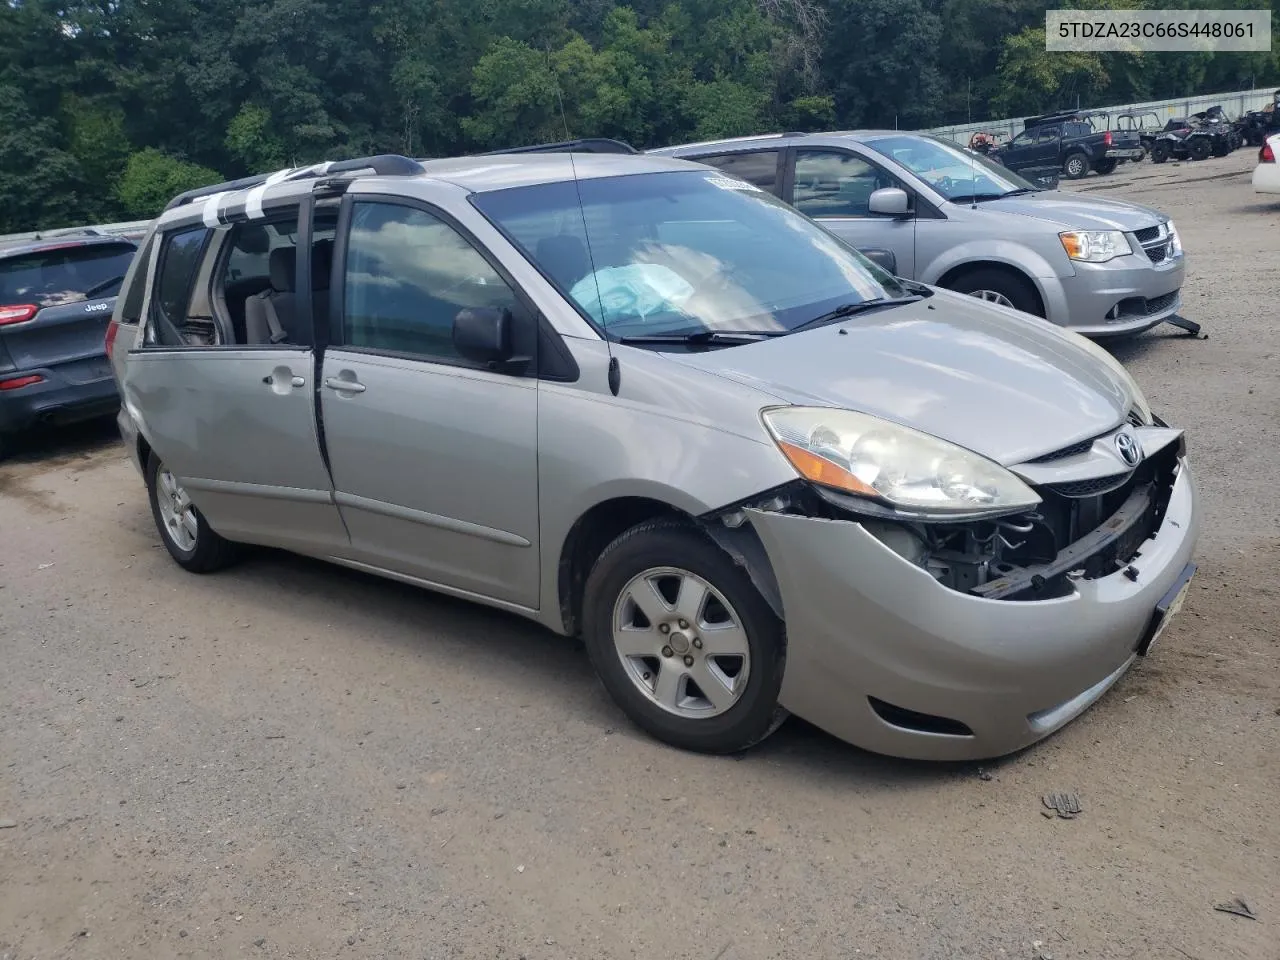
(639, 401)
(951, 217)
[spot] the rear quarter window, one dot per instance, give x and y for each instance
(179, 259)
(65, 274)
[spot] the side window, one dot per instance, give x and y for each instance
(836, 184)
(179, 258)
(1047, 135)
(408, 274)
(1024, 139)
(760, 168)
(135, 290)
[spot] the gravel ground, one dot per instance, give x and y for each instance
(292, 760)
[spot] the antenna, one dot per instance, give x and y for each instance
(973, 179)
(615, 372)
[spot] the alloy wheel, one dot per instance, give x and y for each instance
(681, 643)
(176, 511)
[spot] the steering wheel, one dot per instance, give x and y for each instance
(945, 185)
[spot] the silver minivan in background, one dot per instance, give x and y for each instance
(639, 401)
(953, 218)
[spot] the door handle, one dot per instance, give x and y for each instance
(281, 379)
(344, 386)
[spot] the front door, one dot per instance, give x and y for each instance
(434, 458)
(235, 422)
(835, 187)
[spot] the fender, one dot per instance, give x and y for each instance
(1042, 274)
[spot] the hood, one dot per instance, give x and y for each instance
(1077, 211)
(998, 382)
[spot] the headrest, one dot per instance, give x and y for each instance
(283, 268)
(253, 238)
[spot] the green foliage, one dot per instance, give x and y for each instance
(108, 107)
(151, 179)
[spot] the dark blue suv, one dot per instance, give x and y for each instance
(56, 298)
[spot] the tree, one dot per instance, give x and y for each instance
(151, 179)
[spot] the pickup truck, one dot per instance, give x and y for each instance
(1069, 144)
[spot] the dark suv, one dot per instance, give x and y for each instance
(56, 298)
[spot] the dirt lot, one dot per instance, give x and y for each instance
(292, 760)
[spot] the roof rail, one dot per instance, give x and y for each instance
(584, 145)
(383, 165)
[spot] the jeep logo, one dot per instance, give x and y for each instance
(97, 308)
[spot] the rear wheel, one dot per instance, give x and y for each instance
(1076, 166)
(1200, 148)
(999, 286)
(683, 641)
(1105, 166)
(1160, 152)
(186, 534)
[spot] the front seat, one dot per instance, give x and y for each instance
(271, 316)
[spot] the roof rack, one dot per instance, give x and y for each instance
(383, 165)
(584, 145)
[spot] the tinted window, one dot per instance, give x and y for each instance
(64, 275)
(760, 168)
(831, 184)
(408, 274)
(1024, 139)
(178, 261)
(665, 253)
(131, 309)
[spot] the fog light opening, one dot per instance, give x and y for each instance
(917, 722)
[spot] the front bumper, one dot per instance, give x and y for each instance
(56, 399)
(862, 622)
(1119, 298)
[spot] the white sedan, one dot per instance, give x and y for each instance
(1266, 175)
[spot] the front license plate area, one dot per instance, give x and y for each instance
(1167, 608)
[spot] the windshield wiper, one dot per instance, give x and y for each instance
(706, 337)
(99, 287)
(849, 309)
(980, 197)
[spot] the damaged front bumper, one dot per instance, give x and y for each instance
(882, 655)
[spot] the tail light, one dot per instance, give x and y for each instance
(18, 313)
(1106, 139)
(112, 329)
(1265, 155)
(17, 383)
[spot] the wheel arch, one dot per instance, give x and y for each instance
(605, 521)
(955, 272)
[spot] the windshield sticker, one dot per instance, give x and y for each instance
(729, 183)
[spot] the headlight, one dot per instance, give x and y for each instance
(1094, 246)
(1175, 241)
(910, 471)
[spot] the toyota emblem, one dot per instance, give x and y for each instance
(1130, 452)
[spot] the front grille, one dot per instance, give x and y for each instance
(1147, 233)
(1135, 308)
(1071, 451)
(1157, 252)
(1135, 418)
(1091, 487)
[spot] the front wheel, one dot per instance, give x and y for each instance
(683, 641)
(1003, 287)
(1160, 152)
(1200, 148)
(186, 535)
(1076, 166)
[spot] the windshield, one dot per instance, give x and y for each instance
(955, 173)
(683, 253)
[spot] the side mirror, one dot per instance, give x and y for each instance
(882, 258)
(483, 334)
(889, 201)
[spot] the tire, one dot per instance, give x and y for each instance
(1199, 148)
(1160, 152)
(1105, 166)
(1017, 291)
(663, 559)
(192, 544)
(1076, 166)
